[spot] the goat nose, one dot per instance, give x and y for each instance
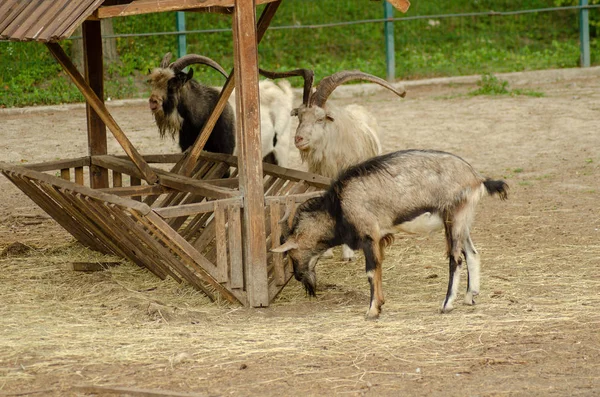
(298, 139)
(153, 103)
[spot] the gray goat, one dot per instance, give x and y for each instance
(414, 191)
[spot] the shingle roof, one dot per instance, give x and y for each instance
(43, 20)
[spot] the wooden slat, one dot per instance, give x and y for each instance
(133, 181)
(79, 176)
(51, 180)
(275, 235)
(65, 174)
(117, 179)
(15, 11)
(49, 15)
(102, 111)
(144, 190)
(177, 182)
(147, 6)
(221, 242)
(271, 169)
(15, 28)
(187, 249)
(196, 208)
(235, 247)
(94, 75)
(59, 164)
(55, 211)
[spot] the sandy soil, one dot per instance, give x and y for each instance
(534, 331)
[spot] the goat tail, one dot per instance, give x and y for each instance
(498, 187)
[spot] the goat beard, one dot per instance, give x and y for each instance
(167, 124)
(309, 280)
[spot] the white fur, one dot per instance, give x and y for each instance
(275, 108)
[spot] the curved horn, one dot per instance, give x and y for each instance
(330, 83)
(307, 74)
(189, 59)
(166, 59)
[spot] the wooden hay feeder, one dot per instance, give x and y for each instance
(189, 223)
(189, 228)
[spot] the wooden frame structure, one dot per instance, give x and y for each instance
(189, 223)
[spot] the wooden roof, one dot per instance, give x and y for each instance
(43, 20)
(54, 20)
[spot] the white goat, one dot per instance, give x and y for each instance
(330, 138)
(413, 191)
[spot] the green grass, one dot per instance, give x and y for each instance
(423, 48)
(492, 85)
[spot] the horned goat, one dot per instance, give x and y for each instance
(414, 191)
(331, 139)
(182, 105)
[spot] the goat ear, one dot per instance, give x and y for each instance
(189, 75)
(149, 71)
(294, 112)
(329, 117)
(288, 245)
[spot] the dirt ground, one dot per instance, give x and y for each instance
(533, 332)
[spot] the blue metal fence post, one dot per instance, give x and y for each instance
(181, 38)
(388, 29)
(584, 34)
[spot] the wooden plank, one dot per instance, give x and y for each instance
(102, 111)
(137, 7)
(51, 180)
(117, 179)
(49, 15)
(79, 176)
(53, 209)
(275, 235)
(65, 174)
(94, 76)
(202, 264)
(174, 181)
(296, 198)
(144, 190)
(134, 181)
(69, 26)
(59, 164)
(17, 9)
(196, 208)
(221, 242)
(235, 247)
(18, 25)
(249, 147)
(271, 169)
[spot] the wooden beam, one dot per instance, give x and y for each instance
(187, 163)
(136, 7)
(195, 208)
(249, 152)
(94, 75)
(102, 111)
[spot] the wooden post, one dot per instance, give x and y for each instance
(94, 75)
(249, 152)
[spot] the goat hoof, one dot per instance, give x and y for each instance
(327, 254)
(372, 314)
(446, 309)
(469, 299)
